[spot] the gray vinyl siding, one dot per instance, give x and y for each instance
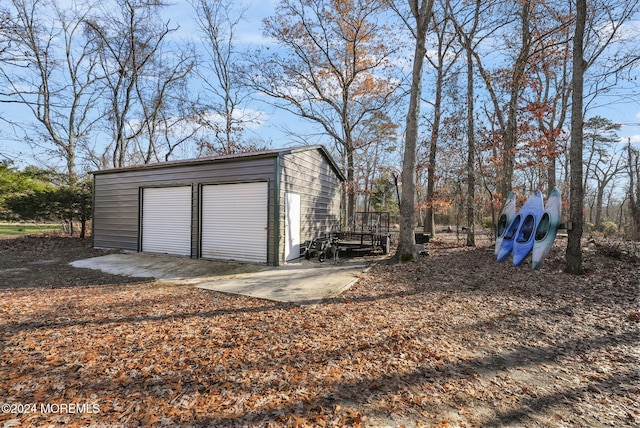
(117, 201)
(309, 174)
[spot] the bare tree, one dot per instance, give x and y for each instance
(168, 117)
(223, 110)
(602, 164)
(527, 28)
(574, 247)
(604, 173)
(611, 51)
(372, 158)
(634, 189)
(334, 70)
(418, 23)
(138, 74)
(515, 90)
(467, 36)
(443, 60)
(548, 98)
(50, 68)
(6, 157)
(590, 43)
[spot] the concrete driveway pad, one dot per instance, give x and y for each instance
(291, 283)
(303, 281)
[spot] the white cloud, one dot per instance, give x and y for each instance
(634, 139)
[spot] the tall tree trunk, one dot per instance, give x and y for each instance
(445, 42)
(407, 243)
(599, 198)
(573, 254)
(551, 175)
(471, 147)
(634, 190)
(72, 177)
(429, 222)
(511, 130)
(351, 192)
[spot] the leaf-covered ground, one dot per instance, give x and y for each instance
(453, 340)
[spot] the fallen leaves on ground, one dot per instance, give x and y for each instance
(455, 339)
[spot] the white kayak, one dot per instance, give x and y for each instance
(547, 229)
(506, 216)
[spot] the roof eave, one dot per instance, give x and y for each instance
(229, 158)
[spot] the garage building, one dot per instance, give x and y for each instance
(253, 207)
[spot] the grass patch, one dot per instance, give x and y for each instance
(12, 230)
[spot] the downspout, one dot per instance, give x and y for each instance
(276, 213)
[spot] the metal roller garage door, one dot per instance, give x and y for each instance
(234, 221)
(166, 220)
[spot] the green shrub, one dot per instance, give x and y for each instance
(406, 257)
(609, 228)
(487, 223)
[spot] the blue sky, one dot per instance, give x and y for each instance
(249, 35)
(624, 109)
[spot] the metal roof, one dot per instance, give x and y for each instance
(228, 158)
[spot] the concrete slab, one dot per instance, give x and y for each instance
(295, 283)
(164, 267)
(302, 282)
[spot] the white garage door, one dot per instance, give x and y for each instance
(234, 222)
(166, 220)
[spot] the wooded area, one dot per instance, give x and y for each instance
(506, 99)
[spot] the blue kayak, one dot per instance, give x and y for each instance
(506, 245)
(547, 229)
(530, 213)
(506, 216)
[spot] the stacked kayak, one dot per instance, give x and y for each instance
(506, 216)
(531, 213)
(547, 229)
(532, 229)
